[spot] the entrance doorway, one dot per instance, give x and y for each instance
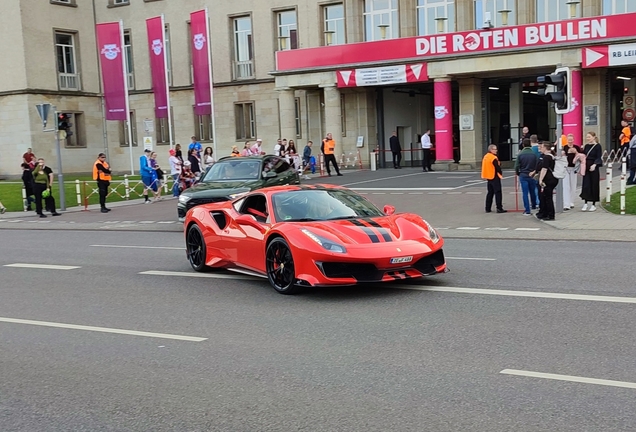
(406, 137)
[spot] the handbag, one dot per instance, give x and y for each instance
(159, 173)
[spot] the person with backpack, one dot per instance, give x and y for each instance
(547, 182)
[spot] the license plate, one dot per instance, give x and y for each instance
(401, 260)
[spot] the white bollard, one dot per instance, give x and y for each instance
(165, 183)
(24, 199)
(623, 184)
(608, 181)
(127, 186)
(78, 193)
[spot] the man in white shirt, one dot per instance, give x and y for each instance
(279, 142)
(426, 151)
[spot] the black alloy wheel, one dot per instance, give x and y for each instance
(280, 267)
(195, 248)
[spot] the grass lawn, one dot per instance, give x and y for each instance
(630, 202)
(11, 191)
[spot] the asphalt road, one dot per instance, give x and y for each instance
(227, 353)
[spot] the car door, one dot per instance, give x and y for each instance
(251, 247)
(274, 168)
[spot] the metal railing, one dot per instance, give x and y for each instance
(243, 69)
(69, 81)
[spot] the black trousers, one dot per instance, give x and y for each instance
(397, 159)
(49, 202)
(546, 201)
(426, 159)
(102, 185)
(494, 190)
(331, 158)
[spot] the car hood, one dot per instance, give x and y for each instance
(371, 230)
(221, 188)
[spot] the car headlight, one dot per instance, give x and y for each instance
(184, 199)
(432, 233)
(238, 194)
(329, 245)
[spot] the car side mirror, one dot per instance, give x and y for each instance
(389, 210)
(249, 220)
(270, 174)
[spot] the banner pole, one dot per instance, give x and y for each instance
(212, 110)
(130, 141)
(165, 69)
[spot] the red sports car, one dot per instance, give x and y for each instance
(312, 236)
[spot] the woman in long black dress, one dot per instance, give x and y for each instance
(547, 182)
(591, 189)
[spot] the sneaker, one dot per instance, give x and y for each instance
(104, 210)
(42, 215)
(56, 214)
(3, 210)
(571, 206)
(592, 208)
(527, 214)
(566, 208)
(147, 202)
(502, 211)
(584, 208)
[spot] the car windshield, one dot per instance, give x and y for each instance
(234, 169)
(320, 205)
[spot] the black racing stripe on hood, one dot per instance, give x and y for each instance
(368, 231)
(386, 235)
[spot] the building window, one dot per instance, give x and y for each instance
(123, 131)
(612, 7)
(297, 118)
(343, 118)
(435, 16)
(244, 120)
(381, 19)
(129, 60)
(334, 27)
(76, 136)
(287, 30)
(64, 2)
(168, 55)
(203, 128)
(68, 78)
(243, 55)
(556, 10)
(115, 3)
(495, 13)
(162, 130)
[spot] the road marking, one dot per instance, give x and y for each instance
(167, 222)
(467, 228)
(138, 247)
(527, 229)
(402, 189)
(378, 193)
(471, 258)
(416, 193)
(195, 275)
(16, 221)
(455, 177)
(103, 329)
(397, 193)
(571, 378)
(385, 178)
(531, 294)
(435, 193)
(496, 229)
(42, 266)
(474, 193)
(146, 222)
(453, 193)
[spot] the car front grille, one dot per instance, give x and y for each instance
(428, 264)
(360, 272)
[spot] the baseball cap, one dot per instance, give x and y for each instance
(147, 151)
(171, 152)
(259, 140)
(187, 163)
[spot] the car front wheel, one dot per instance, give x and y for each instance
(280, 267)
(195, 248)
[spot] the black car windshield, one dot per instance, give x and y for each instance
(320, 205)
(235, 169)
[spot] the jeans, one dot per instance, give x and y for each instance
(528, 185)
(175, 186)
(632, 176)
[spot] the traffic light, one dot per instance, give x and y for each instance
(560, 79)
(64, 125)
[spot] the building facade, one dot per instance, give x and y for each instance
(360, 69)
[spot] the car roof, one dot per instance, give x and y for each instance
(292, 188)
(234, 158)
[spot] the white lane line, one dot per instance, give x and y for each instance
(474, 193)
(401, 189)
(167, 222)
(453, 193)
(146, 222)
(531, 294)
(397, 193)
(467, 228)
(435, 193)
(103, 329)
(471, 258)
(496, 229)
(570, 378)
(195, 275)
(42, 266)
(527, 229)
(138, 247)
(416, 193)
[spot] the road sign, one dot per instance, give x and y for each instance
(43, 111)
(609, 55)
(628, 102)
(629, 114)
(148, 143)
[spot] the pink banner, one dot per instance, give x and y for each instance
(443, 120)
(573, 120)
(156, 45)
(111, 55)
(565, 33)
(201, 62)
